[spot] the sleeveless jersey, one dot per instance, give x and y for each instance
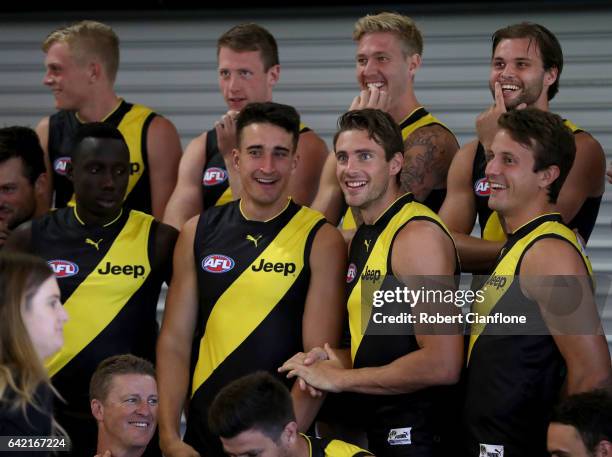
(370, 270)
(325, 447)
(420, 117)
(216, 190)
(490, 225)
(108, 290)
(133, 122)
(253, 280)
(513, 380)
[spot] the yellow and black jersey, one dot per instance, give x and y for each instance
(324, 447)
(490, 225)
(216, 190)
(133, 122)
(420, 117)
(253, 279)
(108, 289)
(514, 371)
(416, 415)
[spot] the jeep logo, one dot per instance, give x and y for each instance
(496, 281)
(63, 268)
(128, 270)
(214, 176)
(217, 263)
(482, 188)
(370, 275)
(278, 267)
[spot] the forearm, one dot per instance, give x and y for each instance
(305, 406)
(412, 372)
(172, 379)
(476, 254)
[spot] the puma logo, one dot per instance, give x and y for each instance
(93, 243)
(367, 245)
(254, 239)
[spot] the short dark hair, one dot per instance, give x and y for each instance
(380, 127)
(256, 401)
(283, 116)
(251, 37)
(22, 142)
(116, 365)
(100, 130)
(548, 45)
(550, 139)
(590, 413)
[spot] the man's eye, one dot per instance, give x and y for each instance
(362, 61)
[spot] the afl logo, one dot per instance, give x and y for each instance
(214, 176)
(217, 263)
(61, 165)
(63, 268)
(351, 273)
(482, 188)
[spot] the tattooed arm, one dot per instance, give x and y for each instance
(428, 153)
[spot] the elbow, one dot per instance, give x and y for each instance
(448, 372)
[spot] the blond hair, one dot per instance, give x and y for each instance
(402, 26)
(88, 39)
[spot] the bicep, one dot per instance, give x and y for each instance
(459, 209)
(325, 303)
(329, 200)
(186, 199)
(305, 179)
(163, 155)
(42, 130)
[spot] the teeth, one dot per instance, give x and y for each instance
(377, 85)
(509, 87)
(265, 181)
(140, 424)
(355, 184)
(497, 186)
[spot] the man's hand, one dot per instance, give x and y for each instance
(371, 98)
(301, 358)
(179, 448)
(323, 375)
(486, 122)
(226, 134)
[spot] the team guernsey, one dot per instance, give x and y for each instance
(420, 117)
(404, 424)
(133, 122)
(513, 380)
(490, 224)
(324, 447)
(216, 190)
(253, 279)
(108, 289)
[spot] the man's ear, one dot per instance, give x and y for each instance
(97, 410)
(548, 175)
(273, 75)
(414, 63)
(290, 433)
(396, 163)
(603, 449)
(236, 158)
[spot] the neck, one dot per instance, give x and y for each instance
(516, 221)
(88, 218)
(541, 103)
(302, 449)
(404, 106)
(375, 209)
(256, 212)
(116, 450)
(100, 106)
